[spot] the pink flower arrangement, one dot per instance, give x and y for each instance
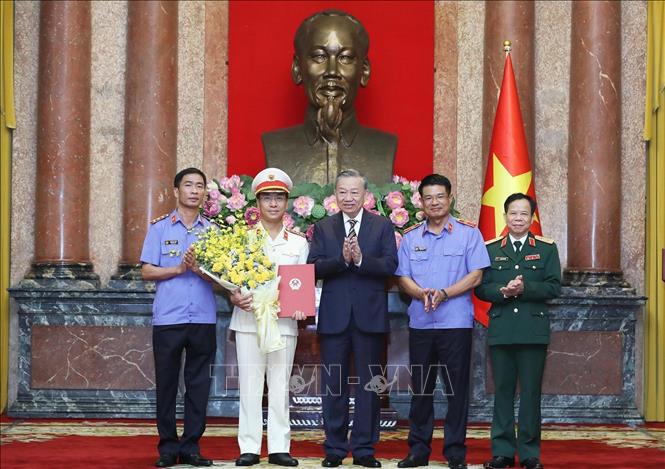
(370, 201)
(287, 221)
(399, 217)
(231, 184)
(303, 205)
(330, 204)
(211, 208)
(252, 216)
(310, 232)
(416, 200)
(395, 200)
(229, 201)
(214, 194)
(237, 201)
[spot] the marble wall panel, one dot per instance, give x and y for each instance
(24, 157)
(581, 362)
(552, 97)
(107, 120)
(470, 173)
(445, 90)
(92, 357)
(216, 72)
(191, 50)
(633, 148)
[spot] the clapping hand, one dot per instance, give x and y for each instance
(514, 288)
(356, 253)
(346, 251)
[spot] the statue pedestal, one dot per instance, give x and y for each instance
(85, 352)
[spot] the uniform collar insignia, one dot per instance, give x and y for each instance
(504, 241)
(532, 242)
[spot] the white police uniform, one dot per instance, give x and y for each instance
(287, 248)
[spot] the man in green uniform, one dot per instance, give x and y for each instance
(525, 272)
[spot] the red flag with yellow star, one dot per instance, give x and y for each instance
(508, 170)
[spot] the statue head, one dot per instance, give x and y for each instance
(331, 62)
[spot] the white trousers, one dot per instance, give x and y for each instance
(253, 366)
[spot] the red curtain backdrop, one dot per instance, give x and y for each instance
(399, 97)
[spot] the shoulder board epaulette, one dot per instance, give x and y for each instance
(152, 222)
(544, 240)
(295, 232)
(413, 227)
(466, 222)
(499, 238)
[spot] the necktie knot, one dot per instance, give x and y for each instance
(518, 245)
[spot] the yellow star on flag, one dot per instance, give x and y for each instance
(504, 185)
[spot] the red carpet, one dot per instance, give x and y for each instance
(105, 444)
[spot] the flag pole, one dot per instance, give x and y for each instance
(506, 46)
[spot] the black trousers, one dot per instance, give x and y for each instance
(198, 341)
(336, 350)
(448, 352)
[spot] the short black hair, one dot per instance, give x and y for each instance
(519, 196)
(435, 180)
(178, 177)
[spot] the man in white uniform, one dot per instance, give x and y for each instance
(283, 246)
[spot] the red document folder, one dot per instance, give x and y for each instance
(296, 289)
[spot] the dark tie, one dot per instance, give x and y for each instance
(352, 230)
(518, 245)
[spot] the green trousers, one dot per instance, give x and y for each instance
(510, 363)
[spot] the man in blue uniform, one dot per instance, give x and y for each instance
(440, 262)
(184, 317)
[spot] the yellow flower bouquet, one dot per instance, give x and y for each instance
(234, 257)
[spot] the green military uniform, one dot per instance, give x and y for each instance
(518, 334)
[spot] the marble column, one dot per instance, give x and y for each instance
(515, 21)
(63, 145)
(594, 155)
(151, 124)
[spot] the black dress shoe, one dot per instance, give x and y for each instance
(332, 460)
(282, 459)
(499, 462)
(412, 461)
(366, 461)
(248, 459)
(166, 460)
(532, 463)
(195, 459)
(457, 463)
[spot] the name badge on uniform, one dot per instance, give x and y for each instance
(500, 258)
(170, 241)
(419, 248)
(532, 257)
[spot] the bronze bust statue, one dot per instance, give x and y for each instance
(330, 60)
